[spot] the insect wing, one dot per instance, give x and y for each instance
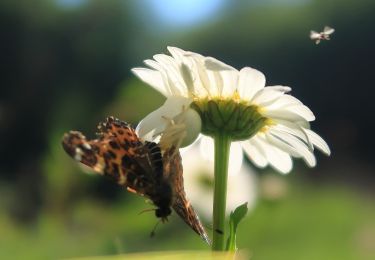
(314, 35)
(87, 152)
(184, 209)
(173, 171)
(328, 30)
(118, 153)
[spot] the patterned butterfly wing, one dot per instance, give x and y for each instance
(138, 166)
(118, 153)
(173, 172)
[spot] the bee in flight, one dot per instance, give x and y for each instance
(324, 35)
(140, 167)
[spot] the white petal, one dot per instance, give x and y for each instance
(303, 111)
(216, 65)
(280, 160)
(192, 123)
(180, 54)
(304, 124)
(230, 79)
(165, 60)
(193, 55)
(293, 129)
(203, 88)
(152, 78)
(277, 158)
(169, 72)
(283, 114)
(299, 146)
(250, 82)
(235, 158)
(207, 149)
(283, 89)
(171, 88)
(153, 64)
(284, 101)
(187, 77)
(156, 121)
(254, 152)
(290, 104)
(222, 83)
(196, 142)
(177, 53)
(318, 141)
(283, 146)
(216, 80)
(152, 123)
(172, 69)
(268, 95)
(169, 64)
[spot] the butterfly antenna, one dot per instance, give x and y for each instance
(146, 210)
(152, 234)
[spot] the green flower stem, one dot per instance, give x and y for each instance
(222, 149)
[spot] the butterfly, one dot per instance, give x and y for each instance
(324, 35)
(139, 166)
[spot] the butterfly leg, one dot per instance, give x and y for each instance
(131, 190)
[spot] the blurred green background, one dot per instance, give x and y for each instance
(65, 65)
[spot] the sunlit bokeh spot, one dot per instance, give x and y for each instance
(184, 12)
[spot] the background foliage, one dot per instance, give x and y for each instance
(66, 65)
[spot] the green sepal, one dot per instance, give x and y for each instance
(214, 113)
(234, 219)
(237, 120)
(232, 120)
(227, 109)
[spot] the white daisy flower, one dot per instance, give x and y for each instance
(199, 180)
(209, 96)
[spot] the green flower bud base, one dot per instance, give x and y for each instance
(235, 119)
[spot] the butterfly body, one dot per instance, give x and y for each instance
(140, 167)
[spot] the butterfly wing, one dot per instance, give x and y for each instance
(118, 153)
(173, 172)
(90, 153)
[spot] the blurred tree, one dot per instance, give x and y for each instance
(53, 56)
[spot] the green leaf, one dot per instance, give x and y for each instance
(234, 219)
